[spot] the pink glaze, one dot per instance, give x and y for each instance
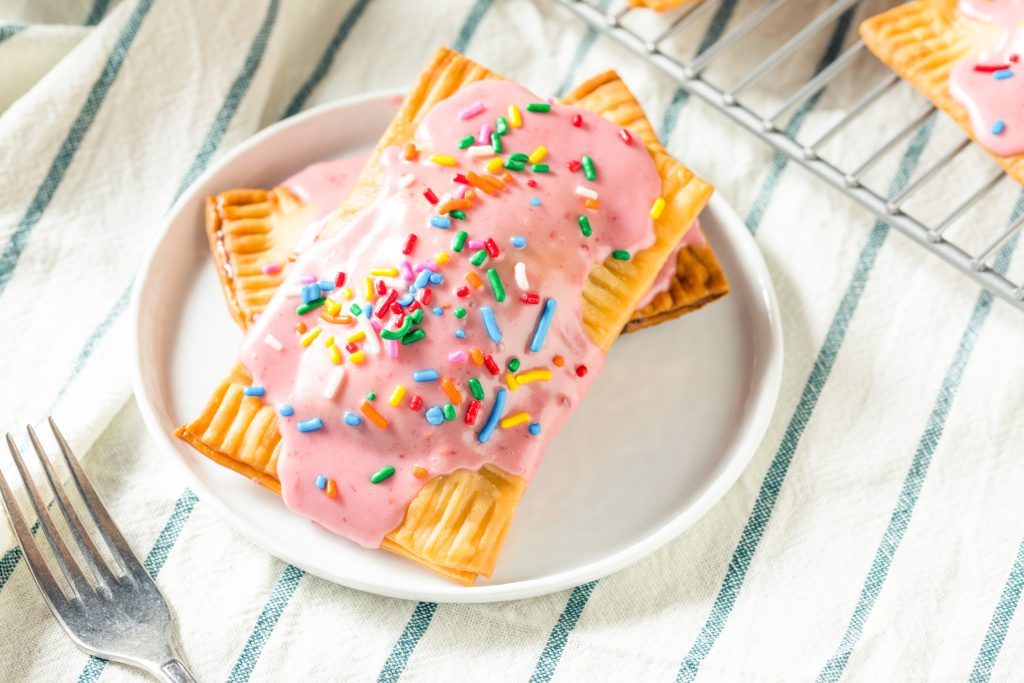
(694, 237)
(988, 99)
(557, 259)
(322, 186)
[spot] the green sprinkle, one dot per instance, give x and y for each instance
(514, 165)
(540, 168)
(496, 143)
(620, 254)
(457, 213)
(372, 396)
(478, 257)
(382, 474)
(474, 386)
(459, 312)
(311, 306)
(413, 337)
(513, 364)
(400, 332)
(499, 289)
(539, 107)
(501, 126)
(585, 226)
(466, 141)
(417, 316)
(449, 411)
(460, 240)
(519, 156)
(588, 168)
(355, 309)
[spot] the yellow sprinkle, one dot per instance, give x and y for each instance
(510, 380)
(358, 336)
(474, 279)
(476, 356)
(384, 272)
(397, 395)
(538, 154)
(449, 388)
(442, 258)
(333, 307)
(513, 420)
(541, 374)
(357, 357)
(335, 355)
(657, 207)
(442, 159)
(308, 338)
(347, 293)
(329, 341)
(494, 164)
(371, 294)
(515, 119)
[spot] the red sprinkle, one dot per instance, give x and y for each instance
(462, 291)
(491, 247)
(626, 137)
(383, 309)
(461, 179)
(382, 288)
(429, 194)
(425, 296)
(531, 182)
(396, 308)
(574, 165)
(491, 365)
(413, 306)
(472, 411)
(339, 280)
(989, 68)
(530, 298)
(1014, 58)
(581, 370)
(410, 242)
(415, 403)
(351, 348)
(577, 120)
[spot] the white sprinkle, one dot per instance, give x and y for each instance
(521, 276)
(480, 151)
(273, 342)
(334, 383)
(372, 342)
(406, 180)
(293, 291)
(586, 192)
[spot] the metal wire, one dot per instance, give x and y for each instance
(770, 126)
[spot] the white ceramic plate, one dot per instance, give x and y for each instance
(665, 432)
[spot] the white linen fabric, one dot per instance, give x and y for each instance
(875, 536)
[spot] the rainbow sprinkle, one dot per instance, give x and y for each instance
(491, 324)
(543, 323)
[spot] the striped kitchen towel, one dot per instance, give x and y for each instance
(875, 536)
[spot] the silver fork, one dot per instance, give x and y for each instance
(112, 612)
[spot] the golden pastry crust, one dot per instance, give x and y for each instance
(661, 5)
(698, 281)
(921, 41)
(456, 525)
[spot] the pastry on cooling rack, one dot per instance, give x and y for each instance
(401, 384)
(964, 56)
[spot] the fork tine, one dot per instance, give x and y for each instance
(36, 562)
(108, 530)
(65, 560)
(89, 549)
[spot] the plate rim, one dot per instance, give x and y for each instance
(736, 455)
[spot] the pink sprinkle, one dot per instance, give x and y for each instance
(420, 267)
(549, 100)
(460, 192)
(391, 346)
(472, 110)
(458, 356)
(307, 279)
(475, 244)
(406, 271)
(271, 268)
(485, 134)
(375, 324)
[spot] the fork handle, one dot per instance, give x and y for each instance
(175, 671)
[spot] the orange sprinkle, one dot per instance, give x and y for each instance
(453, 204)
(592, 203)
(470, 195)
(410, 153)
(332, 489)
(449, 388)
(558, 361)
(478, 181)
(476, 356)
(372, 415)
(507, 177)
(474, 279)
(300, 327)
(419, 472)
(494, 182)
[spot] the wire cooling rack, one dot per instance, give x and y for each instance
(657, 38)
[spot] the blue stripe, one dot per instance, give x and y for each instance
(8, 563)
(279, 597)
(761, 513)
(324, 65)
(470, 25)
(559, 636)
(99, 8)
(11, 30)
(997, 627)
(86, 116)
(581, 52)
(914, 480)
(403, 649)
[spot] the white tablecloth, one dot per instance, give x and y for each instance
(876, 534)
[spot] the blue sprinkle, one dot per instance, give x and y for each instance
(436, 278)
(368, 310)
(321, 482)
(435, 416)
(460, 333)
(441, 222)
(543, 323)
(1002, 74)
(254, 391)
(425, 375)
(405, 301)
(518, 242)
(998, 127)
(423, 278)
(310, 293)
(437, 310)
(326, 286)
(535, 201)
(285, 410)
(491, 324)
(492, 419)
(535, 428)
(351, 419)
(311, 425)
